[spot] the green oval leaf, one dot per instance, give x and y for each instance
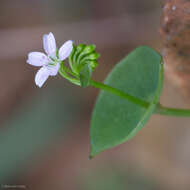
(116, 120)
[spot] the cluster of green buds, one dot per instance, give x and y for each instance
(82, 62)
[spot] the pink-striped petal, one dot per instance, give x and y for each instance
(37, 59)
(49, 44)
(65, 50)
(41, 76)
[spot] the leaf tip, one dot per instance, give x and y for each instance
(93, 152)
(90, 157)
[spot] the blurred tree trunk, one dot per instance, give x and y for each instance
(175, 32)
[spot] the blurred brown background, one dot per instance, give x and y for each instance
(44, 134)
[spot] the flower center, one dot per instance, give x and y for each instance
(53, 61)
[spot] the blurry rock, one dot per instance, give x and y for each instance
(175, 31)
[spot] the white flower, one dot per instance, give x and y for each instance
(49, 63)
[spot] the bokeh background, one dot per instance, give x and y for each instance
(44, 133)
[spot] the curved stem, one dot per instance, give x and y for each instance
(162, 110)
(172, 111)
(69, 71)
(65, 75)
(119, 93)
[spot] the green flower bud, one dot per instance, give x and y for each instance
(82, 55)
(82, 62)
(89, 49)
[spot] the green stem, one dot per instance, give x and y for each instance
(172, 111)
(159, 109)
(119, 93)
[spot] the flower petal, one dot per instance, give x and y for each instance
(65, 50)
(49, 44)
(54, 69)
(41, 76)
(37, 59)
